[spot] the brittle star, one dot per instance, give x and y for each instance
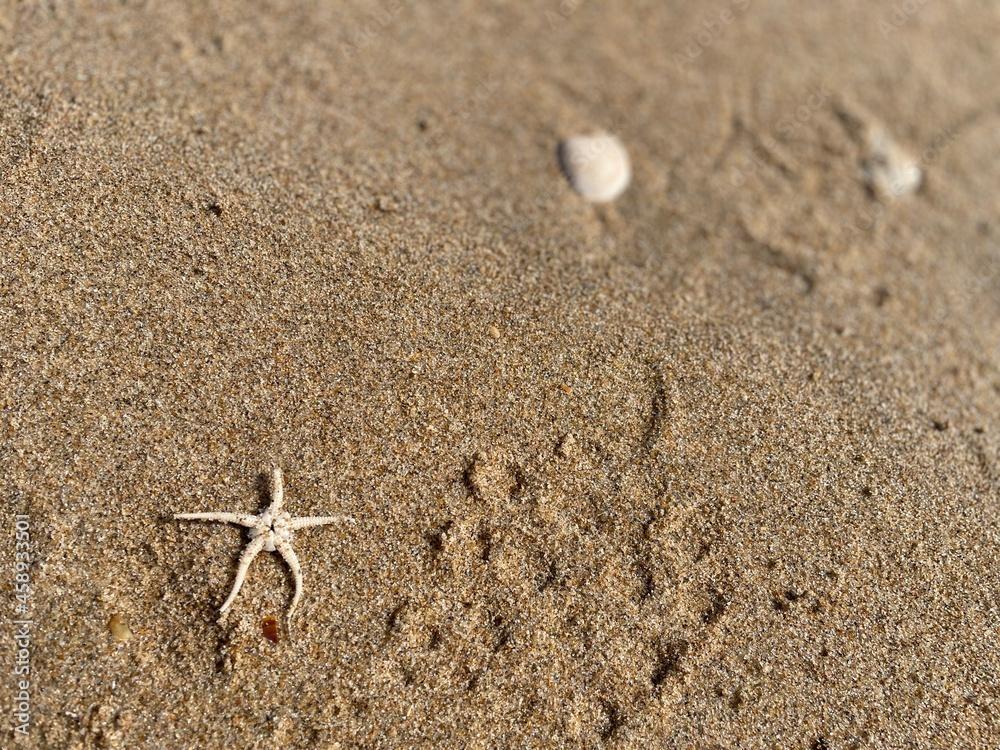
(269, 531)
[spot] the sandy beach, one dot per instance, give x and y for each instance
(712, 465)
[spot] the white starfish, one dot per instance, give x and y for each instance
(270, 531)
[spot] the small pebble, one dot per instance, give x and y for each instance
(120, 631)
(269, 627)
(597, 166)
(891, 171)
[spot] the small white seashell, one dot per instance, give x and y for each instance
(597, 166)
(891, 171)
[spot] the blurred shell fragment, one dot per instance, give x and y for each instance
(597, 166)
(890, 170)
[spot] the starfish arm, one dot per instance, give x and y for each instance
(249, 553)
(241, 519)
(293, 563)
(277, 490)
(306, 521)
